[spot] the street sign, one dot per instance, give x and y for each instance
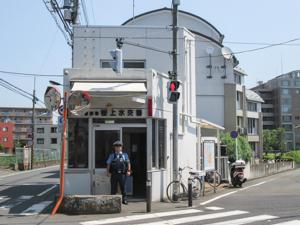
(234, 134)
(61, 110)
(52, 98)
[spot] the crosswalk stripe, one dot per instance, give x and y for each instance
(197, 218)
(16, 202)
(214, 208)
(140, 217)
(245, 220)
(46, 191)
(36, 208)
(292, 222)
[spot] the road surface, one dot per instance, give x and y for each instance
(26, 198)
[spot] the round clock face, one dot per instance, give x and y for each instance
(52, 98)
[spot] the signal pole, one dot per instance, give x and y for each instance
(175, 3)
(33, 121)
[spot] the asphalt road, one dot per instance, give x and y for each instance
(26, 199)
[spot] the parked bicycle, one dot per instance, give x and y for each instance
(177, 190)
(213, 178)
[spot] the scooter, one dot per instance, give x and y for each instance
(237, 173)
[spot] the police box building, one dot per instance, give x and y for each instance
(132, 107)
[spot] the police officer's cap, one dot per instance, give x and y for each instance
(118, 143)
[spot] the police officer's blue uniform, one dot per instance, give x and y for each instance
(118, 167)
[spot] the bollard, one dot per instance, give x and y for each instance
(190, 191)
(148, 193)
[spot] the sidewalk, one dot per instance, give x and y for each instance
(4, 171)
(138, 207)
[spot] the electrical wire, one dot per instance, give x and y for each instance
(29, 74)
(86, 18)
(93, 14)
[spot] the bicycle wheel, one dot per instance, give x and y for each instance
(213, 178)
(197, 187)
(172, 194)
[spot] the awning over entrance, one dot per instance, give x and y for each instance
(110, 87)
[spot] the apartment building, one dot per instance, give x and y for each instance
(282, 105)
(47, 136)
(6, 135)
(22, 118)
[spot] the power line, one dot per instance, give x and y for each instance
(29, 74)
(86, 18)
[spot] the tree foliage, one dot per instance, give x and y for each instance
(1, 148)
(244, 148)
(274, 140)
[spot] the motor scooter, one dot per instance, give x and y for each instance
(237, 173)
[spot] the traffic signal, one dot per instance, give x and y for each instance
(117, 63)
(173, 93)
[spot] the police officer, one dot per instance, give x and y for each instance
(118, 168)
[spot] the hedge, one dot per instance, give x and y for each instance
(7, 160)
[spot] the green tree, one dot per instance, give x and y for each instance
(1, 148)
(244, 148)
(274, 140)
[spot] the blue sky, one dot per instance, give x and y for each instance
(30, 41)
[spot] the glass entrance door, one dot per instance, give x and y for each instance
(104, 138)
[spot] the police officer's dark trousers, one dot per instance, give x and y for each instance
(118, 178)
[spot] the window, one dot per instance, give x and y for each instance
(237, 79)
(53, 140)
(268, 118)
(40, 141)
(40, 130)
(252, 106)
(285, 108)
(267, 110)
(297, 83)
(297, 117)
(285, 91)
(285, 83)
(268, 101)
(53, 129)
(158, 143)
(286, 118)
(240, 121)
(5, 139)
(239, 100)
(162, 143)
(5, 129)
(287, 127)
(127, 64)
(252, 128)
(78, 142)
(289, 136)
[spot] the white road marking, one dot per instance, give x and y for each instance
(46, 191)
(27, 171)
(218, 197)
(254, 185)
(230, 193)
(36, 208)
(214, 208)
(16, 202)
(245, 220)
(292, 222)
(140, 217)
(197, 218)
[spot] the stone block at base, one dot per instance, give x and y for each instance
(91, 204)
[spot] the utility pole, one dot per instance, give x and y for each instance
(175, 3)
(32, 131)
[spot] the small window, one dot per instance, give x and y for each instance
(285, 91)
(297, 83)
(5, 139)
(158, 143)
(53, 140)
(40, 141)
(285, 83)
(5, 129)
(128, 64)
(40, 130)
(54, 130)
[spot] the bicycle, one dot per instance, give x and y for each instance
(177, 191)
(213, 178)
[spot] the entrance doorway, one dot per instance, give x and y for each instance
(135, 144)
